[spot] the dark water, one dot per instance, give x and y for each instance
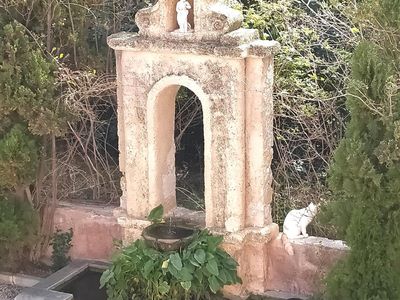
(165, 231)
(86, 287)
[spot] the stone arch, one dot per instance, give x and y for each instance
(161, 145)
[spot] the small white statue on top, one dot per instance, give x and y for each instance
(182, 10)
(297, 220)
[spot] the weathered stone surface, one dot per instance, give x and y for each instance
(95, 230)
(208, 19)
(303, 272)
(237, 133)
(264, 263)
(238, 44)
(249, 248)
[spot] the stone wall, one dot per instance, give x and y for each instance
(303, 272)
(96, 228)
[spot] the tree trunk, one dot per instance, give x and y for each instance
(46, 229)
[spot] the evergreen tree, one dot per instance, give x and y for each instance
(30, 114)
(27, 107)
(365, 174)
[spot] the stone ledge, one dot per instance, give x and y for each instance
(135, 42)
(40, 294)
(46, 289)
(249, 234)
(320, 241)
(100, 210)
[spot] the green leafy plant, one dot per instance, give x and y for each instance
(156, 214)
(197, 272)
(18, 230)
(61, 243)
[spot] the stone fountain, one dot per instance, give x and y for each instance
(231, 72)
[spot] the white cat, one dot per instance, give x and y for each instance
(295, 225)
(297, 220)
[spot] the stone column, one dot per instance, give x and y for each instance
(259, 138)
(121, 128)
(135, 151)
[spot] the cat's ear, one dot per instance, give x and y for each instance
(313, 206)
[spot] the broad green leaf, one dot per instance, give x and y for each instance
(156, 214)
(222, 276)
(194, 262)
(163, 288)
(176, 261)
(200, 256)
(189, 266)
(186, 285)
(185, 254)
(213, 242)
(214, 284)
(150, 252)
(230, 263)
(199, 275)
(117, 270)
(105, 277)
(185, 274)
(212, 267)
(174, 272)
(148, 267)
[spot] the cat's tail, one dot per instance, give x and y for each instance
(286, 244)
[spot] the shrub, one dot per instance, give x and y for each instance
(196, 272)
(18, 158)
(365, 174)
(61, 243)
(18, 230)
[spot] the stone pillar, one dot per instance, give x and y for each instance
(121, 128)
(249, 248)
(135, 151)
(259, 139)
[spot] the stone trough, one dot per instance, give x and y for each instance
(77, 281)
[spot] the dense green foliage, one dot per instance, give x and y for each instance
(72, 35)
(29, 114)
(365, 174)
(17, 230)
(27, 107)
(61, 244)
(196, 272)
(18, 158)
(26, 82)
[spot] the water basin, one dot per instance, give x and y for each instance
(166, 237)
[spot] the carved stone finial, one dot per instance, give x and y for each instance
(204, 20)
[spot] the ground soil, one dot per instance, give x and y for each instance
(8, 292)
(28, 268)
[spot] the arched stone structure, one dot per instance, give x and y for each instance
(161, 112)
(231, 72)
